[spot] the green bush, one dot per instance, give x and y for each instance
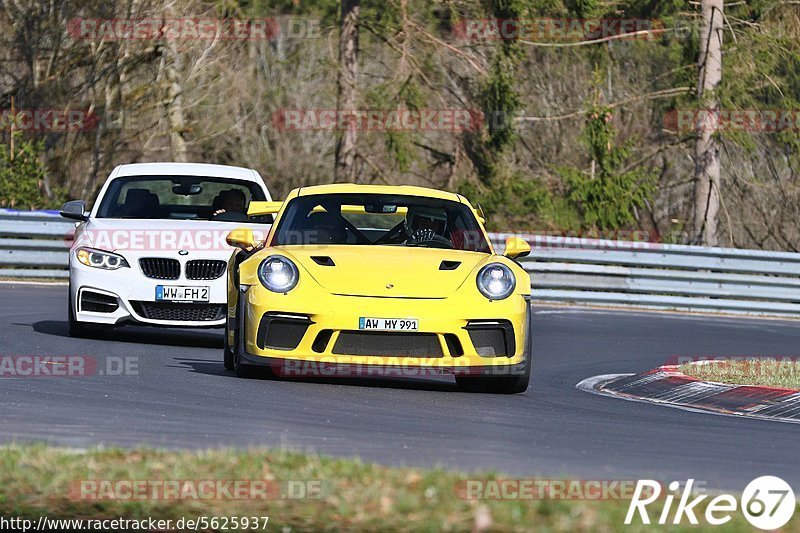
(608, 195)
(22, 177)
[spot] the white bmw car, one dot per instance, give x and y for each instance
(152, 249)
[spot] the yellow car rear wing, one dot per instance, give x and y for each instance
(264, 208)
(360, 210)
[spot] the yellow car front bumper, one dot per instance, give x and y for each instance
(322, 330)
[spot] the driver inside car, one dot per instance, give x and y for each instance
(426, 225)
(230, 205)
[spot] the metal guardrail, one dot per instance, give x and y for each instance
(588, 271)
(666, 276)
(34, 244)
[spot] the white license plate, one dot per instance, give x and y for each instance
(179, 293)
(388, 324)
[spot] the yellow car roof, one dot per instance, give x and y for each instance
(355, 188)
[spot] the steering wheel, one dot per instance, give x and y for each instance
(430, 239)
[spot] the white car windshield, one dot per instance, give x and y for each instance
(182, 198)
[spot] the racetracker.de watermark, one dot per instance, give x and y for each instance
(193, 29)
(746, 120)
(65, 366)
(587, 239)
(556, 30)
(151, 240)
(345, 366)
(52, 120)
(196, 489)
(435, 120)
(545, 489)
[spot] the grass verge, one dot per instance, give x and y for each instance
(763, 372)
(36, 480)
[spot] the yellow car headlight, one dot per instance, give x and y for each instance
(278, 273)
(496, 281)
(100, 259)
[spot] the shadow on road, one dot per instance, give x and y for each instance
(139, 335)
(441, 384)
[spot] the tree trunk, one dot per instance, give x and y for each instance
(176, 119)
(707, 165)
(346, 90)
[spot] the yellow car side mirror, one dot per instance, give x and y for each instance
(516, 247)
(241, 238)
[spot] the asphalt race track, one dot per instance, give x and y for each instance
(182, 397)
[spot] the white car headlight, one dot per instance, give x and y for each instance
(496, 281)
(278, 273)
(100, 259)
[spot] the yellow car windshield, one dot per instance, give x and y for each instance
(380, 220)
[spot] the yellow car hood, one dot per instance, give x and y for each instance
(387, 271)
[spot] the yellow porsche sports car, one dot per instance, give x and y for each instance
(378, 280)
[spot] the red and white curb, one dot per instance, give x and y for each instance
(668, 386)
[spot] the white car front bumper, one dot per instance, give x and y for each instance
(135, 295)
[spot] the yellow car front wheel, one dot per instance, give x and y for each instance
(232, 356)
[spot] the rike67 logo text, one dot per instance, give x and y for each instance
(767, 502)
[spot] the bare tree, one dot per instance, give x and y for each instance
(172, 64)
(346, 80)
(707, 164)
